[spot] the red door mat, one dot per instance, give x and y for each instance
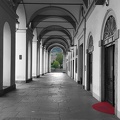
(104, 107)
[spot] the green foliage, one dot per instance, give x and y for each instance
(55, 64)
(59, 58)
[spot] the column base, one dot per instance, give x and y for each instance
(7, 89)
(29, 80)
(38, 76)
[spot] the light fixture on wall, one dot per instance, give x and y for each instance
(107, 2)
(17, 24)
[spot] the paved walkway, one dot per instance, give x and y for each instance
(52, 97)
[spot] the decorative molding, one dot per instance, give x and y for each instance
(29, 32)
(100, 2)
(116, 35)
(110, 39)
(100, 43)
(8, 9)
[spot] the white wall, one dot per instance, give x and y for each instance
(93, 26)
(6, 55)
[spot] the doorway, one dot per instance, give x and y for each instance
(81, 63)
(109, 74)
(73, 69)
(90, 70)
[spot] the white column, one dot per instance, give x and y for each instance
(41, 57)
(43, 61)
(49, 61)
(64, 62)
(46, 61)
(38, 59)
(34, 58)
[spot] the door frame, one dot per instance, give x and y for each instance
(88, 71)
(107, 46)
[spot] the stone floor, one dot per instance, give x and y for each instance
(52, 97)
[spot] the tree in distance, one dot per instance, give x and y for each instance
(55, 64)
(59, 58)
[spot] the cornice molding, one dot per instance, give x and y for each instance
(8, 9)
(29, 32)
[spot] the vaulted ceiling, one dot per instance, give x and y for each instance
(54, 20)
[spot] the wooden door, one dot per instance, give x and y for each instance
(109, 74)
(90, 71)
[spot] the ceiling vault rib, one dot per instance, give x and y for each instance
(54, 21)
(45, 27)
(35, 3)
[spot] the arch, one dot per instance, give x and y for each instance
(108, 56)
(56, 37)
(22, 16)
(59, 42)
(6, 55)
(109, 13)
(56, 45)
(47, 12)
(110, 27)
(55, 28)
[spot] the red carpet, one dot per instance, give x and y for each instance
(104, 107)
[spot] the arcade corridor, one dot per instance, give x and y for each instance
(88, 34)
(52, 97)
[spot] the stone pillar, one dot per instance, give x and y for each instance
(49, 62)
(41, 57)
(64, 62)
(38, 60)
(29, 37)
(34, 58)
(43, 61)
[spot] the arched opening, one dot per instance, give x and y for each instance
(109, 59)
(52, 11)
(6, 55)
(56, 59)
(90, 63)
